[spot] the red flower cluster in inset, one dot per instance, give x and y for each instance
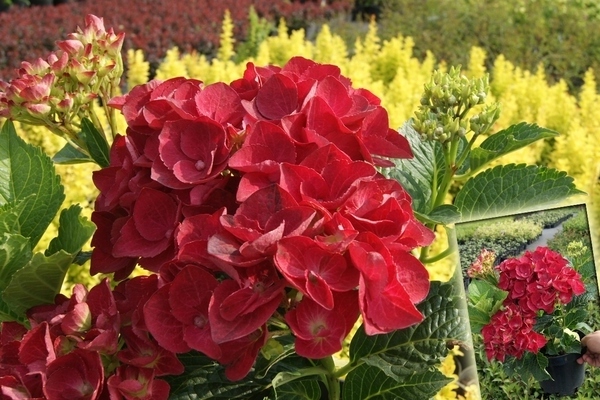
(535, 283)
(253, 202)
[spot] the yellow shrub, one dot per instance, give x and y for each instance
(138, 70)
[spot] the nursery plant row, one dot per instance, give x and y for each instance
(508, 236)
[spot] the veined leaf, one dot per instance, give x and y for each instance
(417, 174)
(505, 141)
(95, 142)
(38, 282)
(305, 389)
(402, 364)
(444, 214)
(484, 300)
(27, 174)
(366, 382)
(15, 253)
(205, 379)
(73, 232)
(511, 188)
(71, 155)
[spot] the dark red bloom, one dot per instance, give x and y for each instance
(77, 375)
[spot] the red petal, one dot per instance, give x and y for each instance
(164, 327)
(277, 98)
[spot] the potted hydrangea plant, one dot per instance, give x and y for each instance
(536, 304)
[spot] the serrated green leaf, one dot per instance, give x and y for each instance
(417, 174)
(484, 300)
(410, 354)
(445, 214)
(205, 379)
(511, 188)
(95, 142)
(304, 389)
(15, 253)
(38, 282)
(367, 382)
(9, 217)
(531, 365)
(73, 232)
(506, 141)
(71, 155)
(27, 174)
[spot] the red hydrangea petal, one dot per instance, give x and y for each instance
(164, 327)
(277, 98)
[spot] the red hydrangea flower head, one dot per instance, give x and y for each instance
(251, 201)
(536, 282)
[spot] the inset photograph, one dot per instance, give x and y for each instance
(532, 295)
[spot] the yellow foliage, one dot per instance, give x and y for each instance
(476, 67)
(330, 49)
(172, 66)
(448, 392)
(225, 52)
(279, 49)
(138, 70)
(197, 65)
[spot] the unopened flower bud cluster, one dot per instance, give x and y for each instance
(446, 104)
(57, 91)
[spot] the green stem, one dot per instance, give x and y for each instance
(345, 370)
(331, 379)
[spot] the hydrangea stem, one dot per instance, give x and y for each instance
(331, 379)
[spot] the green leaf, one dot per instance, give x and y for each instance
(26, 173)
(531, 365)
(305, 389)
(444, 214)
(38, 282)
(511, 188)
(417, 174)
(367, 382)
(205, 379)
(505, 141)
(484, 300)
(69, 154)
(9, 217)
(73, 232)
(95, 142)
(402, 364)
(15, 252)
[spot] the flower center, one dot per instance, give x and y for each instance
(200, 165)
(200, 321)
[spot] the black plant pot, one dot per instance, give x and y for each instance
(567, 374)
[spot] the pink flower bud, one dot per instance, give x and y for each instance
(71, 46)
(40, 90)
(37, 109)
(39, 67)
(95, 23)
(58, 64)
(65, 104)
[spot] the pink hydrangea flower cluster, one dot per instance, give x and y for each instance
(57, 91)
(483, 266)
(536, 282)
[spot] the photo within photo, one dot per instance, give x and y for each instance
(532, 295)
